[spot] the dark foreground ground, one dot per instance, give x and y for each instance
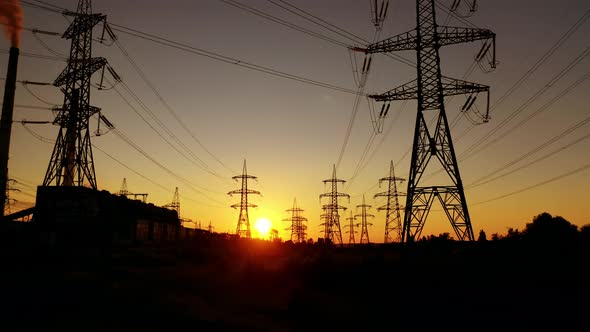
(240, 285)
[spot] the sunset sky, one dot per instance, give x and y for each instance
(534, 149)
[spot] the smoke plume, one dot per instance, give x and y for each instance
(11, 18)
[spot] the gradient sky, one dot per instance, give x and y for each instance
(291, 133)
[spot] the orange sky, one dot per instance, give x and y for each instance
(291, 133)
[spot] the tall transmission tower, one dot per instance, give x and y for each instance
(393, 220)
(243, 228)
(175, 204)
(71, 162)
(351, 228)
(298, 228)
(125, 192)
(331, 210)
(429, 89)
(364, 223)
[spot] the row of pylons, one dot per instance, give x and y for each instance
(331, 216)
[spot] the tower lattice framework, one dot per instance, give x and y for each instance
(429, 89)
(351, 228)
(332, 230)
(71, 162)
(364, 221)
(175, 204)
(298, 227)
(393, 220)
(243, 228)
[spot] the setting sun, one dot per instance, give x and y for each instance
(263, 226)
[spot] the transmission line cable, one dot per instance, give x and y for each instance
(470, 150)
(545, 156)
(222, 58)
(553, 179)
(282, 22)
(195, 160)
(166, 104)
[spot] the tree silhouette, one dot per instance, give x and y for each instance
(482, 236)
(547, 228)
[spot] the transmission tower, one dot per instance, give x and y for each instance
(331, 225)
(71, 162)
(351, 228)
(175, 204)
(364, 223)
(125, 192)
(429, 89)
(243, 229)
(210, 227)
(298, 228)
(393, 220)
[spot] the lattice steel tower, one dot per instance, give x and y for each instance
(71, 162)
(429, 89)
(243, 228)
(393, 220)
(332, 229)
(298, 228)
(351, 228)
(175, 204)
(364, 223)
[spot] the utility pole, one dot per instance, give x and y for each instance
(71, 162)
(351, 228)
(243, 228)
(332, 231)
(429, 89)
(393, 220)
(364, 223)
(298, 229)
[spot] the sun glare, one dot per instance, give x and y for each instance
(263, 225)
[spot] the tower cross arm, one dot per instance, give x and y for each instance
(453, 86)
(402, 42)
(337, 194)
(456, 35)
(403, 92)
(82, 23)
(246, 191)
(333, 207)
(239, 205)
(68, 75)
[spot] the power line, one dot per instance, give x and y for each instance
(136, 98)
(331, 27)
(50, 141)
(542, 59)
(282, 22)
(223, 58)
(550, 154)
(470, 150)
(226, 59)
(38, 56)
(556, 178)
(547, 143)
(318, 21)
(166, 104)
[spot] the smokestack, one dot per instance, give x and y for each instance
(11, 17)
(6, 123)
